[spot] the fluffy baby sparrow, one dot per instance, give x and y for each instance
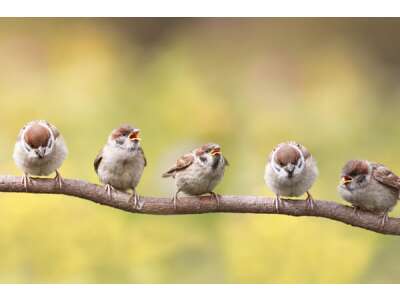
(121, 162)
(290, 172)
(40, 150)
(199, 171)
(369, 186)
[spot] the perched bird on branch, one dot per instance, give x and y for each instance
(290, 172)
(121, 162)
(199, 171)
(40, 150)
(369, 186)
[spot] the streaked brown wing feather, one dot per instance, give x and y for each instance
(181, 164)
(226, 161)
(303, 149)
(144, 157)
(385, 176)
(97, 161)
(55, 131)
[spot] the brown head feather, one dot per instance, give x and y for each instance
(37, 135)
(206, 148)
(123, 130)
(355, 167)
(287, 154)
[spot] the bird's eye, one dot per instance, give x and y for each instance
(360, 178)
(203, 158)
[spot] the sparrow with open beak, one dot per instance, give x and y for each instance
(369, 186)
(290, 172)
(199, 171)
(40, 150)
(121, 162)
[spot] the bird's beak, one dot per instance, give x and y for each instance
(41, 152)
(216, 151)
(134, 136)
(346, 180)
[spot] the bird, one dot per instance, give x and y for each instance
(121, 162)
(199, 171)
(370, 187)
(290, 171)
(39, 151)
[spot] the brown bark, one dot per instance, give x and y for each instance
(206, 204)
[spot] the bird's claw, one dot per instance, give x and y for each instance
(277, 203)
(310, 201)
(356, 212)
(135, 197)
(26, 181)
(175, 199)
(385, 218)
(109, 189)
(59, 180)
(216, 197)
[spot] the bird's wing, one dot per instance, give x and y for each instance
(55, 131)
(304, 150)
(385, 176)
(97, 161)
(181, 164)
(226, 161)
(144, 157)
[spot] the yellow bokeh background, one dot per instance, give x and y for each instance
(247, 84)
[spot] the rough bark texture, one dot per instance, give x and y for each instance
(194, 205)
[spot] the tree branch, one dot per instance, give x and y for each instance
(194, 205)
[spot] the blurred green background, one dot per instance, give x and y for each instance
(248, 84)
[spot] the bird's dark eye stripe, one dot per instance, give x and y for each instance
(300, 164)
(360, 178)
(203, 159)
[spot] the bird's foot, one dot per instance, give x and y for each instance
(26, 181)
(135, 198)
(310, 201)
(356, 212)
(277, 203)
(109, 189)
(216, 197)
(59, 180)
(175, 199)
(385, 218)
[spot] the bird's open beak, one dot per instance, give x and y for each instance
(134, 136)
(346, 180)
(216, 151)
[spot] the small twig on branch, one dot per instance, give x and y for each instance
(193, 205)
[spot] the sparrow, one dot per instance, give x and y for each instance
(40, 150)
(290, 171)
(369, 186)
(121, 162)
(199, 171)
